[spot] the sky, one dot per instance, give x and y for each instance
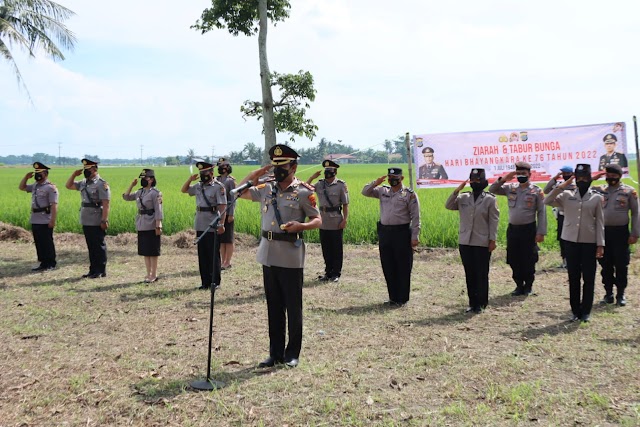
(141, 80)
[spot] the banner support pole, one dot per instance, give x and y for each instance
(407, 143)
(635, 129)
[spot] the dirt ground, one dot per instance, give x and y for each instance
(114, 351)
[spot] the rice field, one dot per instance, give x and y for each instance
(439, 226)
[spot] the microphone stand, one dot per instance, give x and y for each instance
(209, 383)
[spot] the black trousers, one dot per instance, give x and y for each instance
(581, 264)
(45, 248)
(332, 251)
(563, 252)
(206, 261)
(475, 260)
(522, 254)
(283, 289)
(396, 257)
(615, 262)
(94, 236)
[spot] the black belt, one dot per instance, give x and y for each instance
(517, 226)
(331, 209)
(612, 227)
(36, 210)
(146, 211)
(287, 237)
(393, 227)
(91, 205)
(207, 209)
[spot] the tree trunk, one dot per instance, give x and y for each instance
(265, 79)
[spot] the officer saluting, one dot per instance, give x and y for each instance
(334, 210)
(44, 211)
(285, 204)
(479, 217)
(566, 172)
(619, 201)
(226, 239)
(210, 197)
(525, 206)
(583, 233)
(398, 231)
(94, 214)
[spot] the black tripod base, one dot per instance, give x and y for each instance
(203, 385)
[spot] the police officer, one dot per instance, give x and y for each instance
(583, 233)
(523, 233)
(211, 197)
(565, 173)
(285, 203)
(479, 217)
(226, 239)
(94, 214)
(148, 220)
(431, 169)
(333, 196)
(619, 200)
(44, 211)
(398, 231)
(612, 157)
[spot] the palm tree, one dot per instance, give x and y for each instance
(32, 25)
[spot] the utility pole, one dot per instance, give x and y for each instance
(59, 157)
(141, 154)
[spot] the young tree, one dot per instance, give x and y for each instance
(296, 90)
(32, 25)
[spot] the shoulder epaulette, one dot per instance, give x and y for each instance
(340, 180)
(385, 186)
(489, 194)
(307, 186)
(231, 177)
(409, 190)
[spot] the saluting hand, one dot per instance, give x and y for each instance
(461, 186)
(315, 175)
(599, 175)
(380, 180)
(194, 177)
(567, 183)
(77, 172)
(558, 176)
(259, 172)
(509, 176)
(29, 175)
(134, 183)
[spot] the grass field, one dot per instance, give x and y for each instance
(116, 352)
(439, 226)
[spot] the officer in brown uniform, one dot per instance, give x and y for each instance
(431, 169)
(566, 172)
(523, 234)
(398, 232)
(619, 200)
(479, 217)
(210, 197)
(612, 157)
(94, 214)
(333, 198)
(44, 211)
(583, 233)
(226, 238)
(148, 220)
(285, 203)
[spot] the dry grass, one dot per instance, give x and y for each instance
(117, 352)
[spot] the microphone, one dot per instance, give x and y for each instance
(239, 190)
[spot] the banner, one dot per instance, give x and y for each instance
(446, 159)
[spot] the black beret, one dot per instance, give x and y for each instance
(523, 165)
(583, 169)
(477, 173)
(613, 169)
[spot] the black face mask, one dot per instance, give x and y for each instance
(523, 179)
(479, 186)
(38, 176)
(87, 173)
(222, 171)
(394, 181)
(583, 186)
(329, 174)
(205, 177)
(613, 181)
(566, 177)
(144, 182)
(280, 173)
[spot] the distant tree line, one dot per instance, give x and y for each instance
(393, 150)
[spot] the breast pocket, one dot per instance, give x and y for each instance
(529, 201)
(512, 200)
(622, 203)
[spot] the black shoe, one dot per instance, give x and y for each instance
(334, 279)
(608, 299)
(477, 310)
(49, 268)
(585, 318)
(394, 304)
(270, 362)
(39, 268)
(291, 362)
(323, 278)
(621, 301)
(203, 287)
(517, 292)
(574, 318)
(97, 275)
(84, 276)
(469, 310)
